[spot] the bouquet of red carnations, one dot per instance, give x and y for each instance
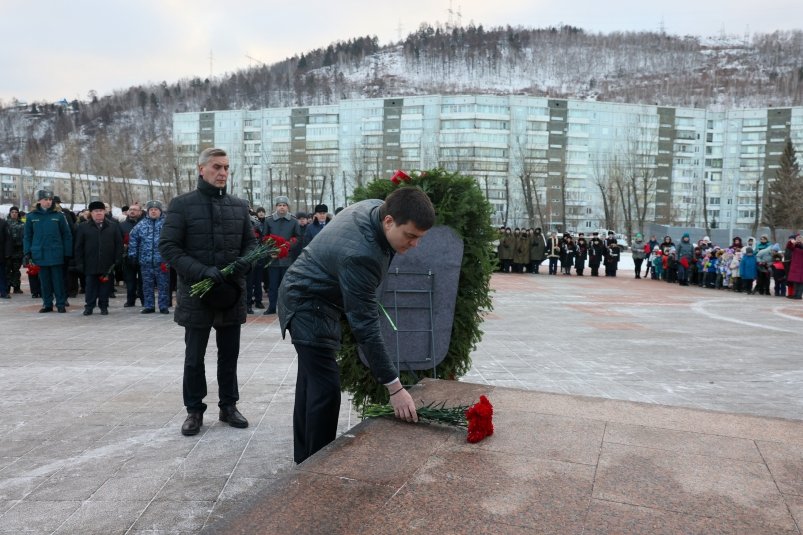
(272, 246)
(477, 418)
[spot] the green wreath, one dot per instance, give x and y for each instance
(461, 205)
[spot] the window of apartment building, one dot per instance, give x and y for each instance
(747, 213)
(323, 119)
(458, 108)
(413, 110)
(713, 200)
(714, 162)
(410, 124)
(492, 109)
(751, 123)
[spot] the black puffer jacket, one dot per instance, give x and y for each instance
(339, 273)
(204, 228)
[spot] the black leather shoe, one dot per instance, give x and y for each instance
(61, 310)
(66, 303)
(104, 311)
(45, 309)
(232, 416)
(269, 312)
(259, 304)
(129, 305)
(147, 311)
(87, 312)
(18, 291)
(250, 310)
(164, 311)
(192, 425)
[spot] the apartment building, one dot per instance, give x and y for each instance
(560, 162)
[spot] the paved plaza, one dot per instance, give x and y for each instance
(90, 441)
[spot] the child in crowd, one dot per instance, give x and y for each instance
(779, 274)
(748, 269)
(723, 271)
(671, 266)
(657, 263)
(710, 269)
(612, 260)
(734, 266)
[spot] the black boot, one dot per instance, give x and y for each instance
(192, 425)
(232, 416)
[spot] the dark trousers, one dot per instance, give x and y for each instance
(275, 275)
(637, 263)
(51, 279)
(747, 285)
(97, 293)
(133, 283)
(3, 280)
(579, 266)
(553, 265)
(228, 349)
(254, 284)
(317, 403)
(13, 265)
(594, 265)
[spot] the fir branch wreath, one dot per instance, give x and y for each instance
(460, 204)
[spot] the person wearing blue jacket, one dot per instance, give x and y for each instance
(47, 242)
(748, 270)
(143, 249)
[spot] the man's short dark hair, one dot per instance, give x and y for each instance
(409, 204)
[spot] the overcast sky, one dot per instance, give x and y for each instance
(55, 49)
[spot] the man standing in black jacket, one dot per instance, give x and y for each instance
(206, 230)
(336, 275)
(98, 247)
(133, 280)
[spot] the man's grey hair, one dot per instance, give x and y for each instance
(208, 154)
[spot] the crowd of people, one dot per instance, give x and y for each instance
(754, 267)
(66, 254)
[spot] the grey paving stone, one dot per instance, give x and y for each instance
(36, 516)
(102, 518)
(173, 516)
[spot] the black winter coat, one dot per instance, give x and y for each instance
(97, 249)
(205, 228)
(337, 274)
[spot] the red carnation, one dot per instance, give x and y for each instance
(163, 267)
(480, 420)
(400, 176)
(103, 278)
(281, 244)
(32, 270)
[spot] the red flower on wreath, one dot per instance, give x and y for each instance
(400, 176)
(164, 267)
(480, 420)
(32, 270)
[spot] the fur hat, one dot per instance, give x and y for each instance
(154, 204)
(96, 205)
(321, 208)
(282, 199)
(44, 194)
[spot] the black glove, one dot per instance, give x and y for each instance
(241, 267)
(214, 274)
